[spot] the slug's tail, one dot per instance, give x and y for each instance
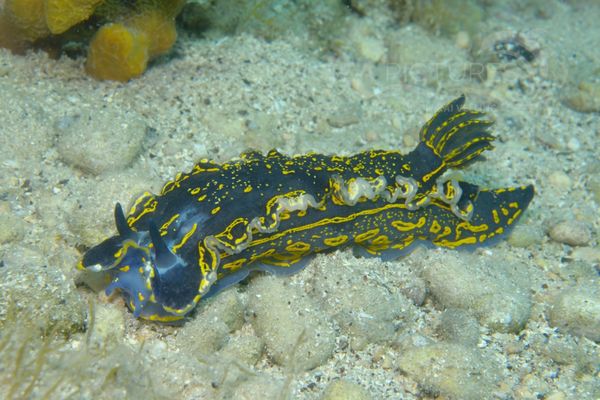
(493, 213)
(456, 135)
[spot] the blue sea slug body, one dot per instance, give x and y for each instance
(209, 228)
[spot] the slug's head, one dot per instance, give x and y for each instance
(156, 283)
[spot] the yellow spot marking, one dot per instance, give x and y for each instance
(166, 225)
(198, 169)
(407, 241)
(404, 226)
(381, 240)
(204, 267)
(215, 210)
(435, 227)
(185, 238)
(447, 231)
(434, 172)
(180, 311)
(139, 200)
(248, 189)
(471, 228)
(456, 243)
(284, 260)
(163, 318)
(514, 217)
(496, 216)
(234, 265)
(227, 232)
(298, 247)
(241, 239)
(362, 237)
(171, 185)
(149, 207)
(124, 268)
(335, 241)
(264, 254)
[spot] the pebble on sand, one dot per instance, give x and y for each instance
(100, 141)
(209, 331)
(367, 310)
(571, 232)
(345, 390)
(296, 332)
(452, 370)
(577, 310)
(495, 292)
(458, 326)
(12, 228)
(42, 297)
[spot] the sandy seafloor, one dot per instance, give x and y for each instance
(520, 320)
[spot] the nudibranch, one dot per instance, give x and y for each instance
(209, 228)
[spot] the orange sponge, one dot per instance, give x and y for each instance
(118, 53)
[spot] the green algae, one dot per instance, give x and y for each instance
(50, 366)
(43, 300)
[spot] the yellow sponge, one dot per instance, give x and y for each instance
(63, 14)
(159, 28)
(28, 17)
(118, 53)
